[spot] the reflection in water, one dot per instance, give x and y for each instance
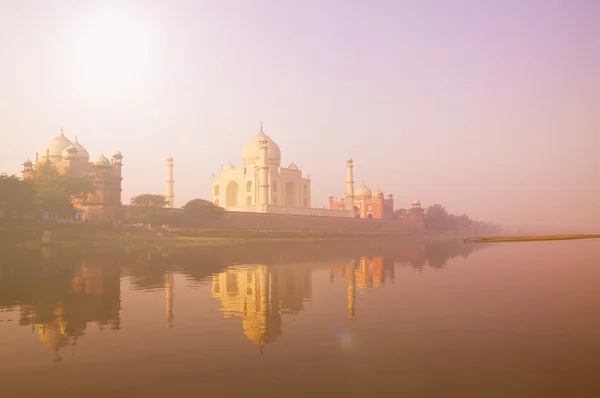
(60, 301)
(61, 297)
(169, 287)
(261, 295)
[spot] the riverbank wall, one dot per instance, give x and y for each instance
(290, 222)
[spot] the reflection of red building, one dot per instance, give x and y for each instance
(367, 204)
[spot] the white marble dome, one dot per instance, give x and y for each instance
(251, 152)
(377, 193)
(363, 190)
(102, 161)
(56, 146)
(228, 167)
(293, 166)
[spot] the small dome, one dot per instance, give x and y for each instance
(349, 160)
(56, 146)
(228, 167)
(169, 159)
(416, 203)
(81, 151)
(28, 163)
(293, 167)
(363, 190)
(102, 161)
(119, 155)
(70, 152)
(251, 152)
(377, 193)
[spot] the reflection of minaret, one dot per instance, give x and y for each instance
(264, 304)
(169, 284)
(170, 192)
(351, 290)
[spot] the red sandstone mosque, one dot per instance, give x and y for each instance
(104, 203)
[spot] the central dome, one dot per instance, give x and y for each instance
(56, 147)
(363, 190)
(251, 152)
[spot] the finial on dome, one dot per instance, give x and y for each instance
(261, 126)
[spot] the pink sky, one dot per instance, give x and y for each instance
(490, 108)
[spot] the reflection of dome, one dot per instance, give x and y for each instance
(52, 336)
(81, 151)
(257, 331)
(293, 167)
(363, 190)
(102, 161)
(228, 167)
(251, 152)
(56, 146)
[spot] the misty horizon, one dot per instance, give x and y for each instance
(489, 109)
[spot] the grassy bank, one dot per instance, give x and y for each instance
(80, 235)
(495, 239)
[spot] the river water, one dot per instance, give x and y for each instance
(397, 319)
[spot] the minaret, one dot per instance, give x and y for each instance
(349, 185)
(169, 299)
(170, 193)
(263, 171)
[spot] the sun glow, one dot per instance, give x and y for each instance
(112, 52)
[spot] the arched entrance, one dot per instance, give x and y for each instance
(232, 193)
(290, 194)
(356, 212)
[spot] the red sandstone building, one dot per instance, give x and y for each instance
(104, 203)
(367, 204)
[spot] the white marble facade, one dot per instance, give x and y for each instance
(237, 188)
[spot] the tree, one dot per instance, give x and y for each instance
(17, 195)
(148, 208)
(398, 213)
(59, 193)
(149, 200)
(436, 218)
(201, 206)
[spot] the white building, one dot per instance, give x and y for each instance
(261, 185)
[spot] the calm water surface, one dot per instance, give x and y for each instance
(410, 320)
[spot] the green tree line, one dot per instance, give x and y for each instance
(438, 219)
(47, 190)
(151, 209)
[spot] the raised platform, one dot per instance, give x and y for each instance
(296, 211)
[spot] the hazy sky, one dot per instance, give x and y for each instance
(488, 107)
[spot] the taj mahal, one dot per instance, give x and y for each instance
(262, 185)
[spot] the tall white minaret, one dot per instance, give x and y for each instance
(263, 171)
(170, 193)
(349, 185)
